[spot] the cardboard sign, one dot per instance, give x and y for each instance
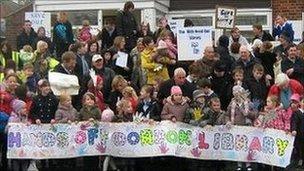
(225, 17)
(176, 24)
(239, 143)
(40, 19)
(192, 41)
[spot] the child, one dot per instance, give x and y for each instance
(194, 72)
(26, 55)
(28, 77)
(239, 113)
(85, 32)
(44, 104)
(196, 108)
(148, 106)
(107, 116)
(205, 85)
(257, 86)
(89, 110)
(273, 116)
(95, 86)
(297, 129)
(107, 56)
(213, 114)
(129, 94)
(65, 113)
(125, 111)
(118, 84)
(238, 77)
(175, 109)
(19, 115)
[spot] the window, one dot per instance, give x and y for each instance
(199, 20)
(251, 19)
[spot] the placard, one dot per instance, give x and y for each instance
(40, 19)
(225, 17)
(175, 24)
(191, 42)
(131, 140)
(63, 83)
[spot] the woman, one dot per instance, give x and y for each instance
(93, 48)
(5, 54)
(62, 34)
(117, 49)
(145, 30)
(138, 77)
(41, 36)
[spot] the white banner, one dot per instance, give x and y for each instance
(191, 42)
(40, 19)
(245, 144)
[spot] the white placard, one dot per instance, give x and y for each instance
(122, 59)
(192, 41)
(225, 17)
(175, 24)
(63, 83)
(297, 26)
(40, 19)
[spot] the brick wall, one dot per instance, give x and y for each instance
(14, 23)
(292, 9)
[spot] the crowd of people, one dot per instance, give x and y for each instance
(234, 83)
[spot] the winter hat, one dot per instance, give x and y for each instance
(281, 79)
(224, 41)
(162, 45)
(197, 94)
(176, 90)
(295, 97)
(17, 105)
(107, 115)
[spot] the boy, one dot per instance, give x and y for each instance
(205, 85)
(196, 110)
(257, 86)
(238, 77)
(28, 77)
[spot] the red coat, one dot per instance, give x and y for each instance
(295, 86)
(5, 102)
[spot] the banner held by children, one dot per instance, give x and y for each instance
(239, 143)
(191, 42)
(40, 19)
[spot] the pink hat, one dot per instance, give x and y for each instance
(295, 97)
(162, 45)
(176, 90)
(17, 105)
(107, 115)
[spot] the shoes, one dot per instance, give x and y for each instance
(249, 168)
(238, 169)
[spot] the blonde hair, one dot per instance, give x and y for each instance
(117, 41)
(62, 16)
(85, 22)
(27, 48)
(116, 80)
(274, 99)
(41, 44)
(130, 91)
(64, 97)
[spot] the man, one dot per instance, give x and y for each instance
(235, 36)
(281, 50)
(282, 26)
(179, 79)
(126, 25)
(246, 62)
(27, 36)
(162, 25)
(68, 64)
(207, 62)
(293, 66)
(259, 33)
(108, 34)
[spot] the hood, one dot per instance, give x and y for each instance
(224, 41)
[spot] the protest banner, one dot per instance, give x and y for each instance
(191, 42)
(225, 17)
(131, 140)
(176, 24)
(63, 83)
(40, 19)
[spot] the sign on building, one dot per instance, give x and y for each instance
(225, 17)
(191, 42)
(40, 19)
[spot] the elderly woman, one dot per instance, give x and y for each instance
(284, 88)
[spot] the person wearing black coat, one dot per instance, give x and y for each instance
(258, 90)
(223, 51)
(126, 25)
(267, 58)
(108, 34)
(27, 36)
(293, 66)
(153, 109)
(62, 35)
(41, 36)
(259, 33)
(297, 129)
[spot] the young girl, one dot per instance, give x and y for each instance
(273, 116)
(108, 61)
(89, 110)
(95, 87)
(125, 111)
(148, 106)
(175, 109)
(44, 104)
(130, 95)
(26, 55)
(19, 115)
(65, 113)
(118, 84)
(85, 32)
